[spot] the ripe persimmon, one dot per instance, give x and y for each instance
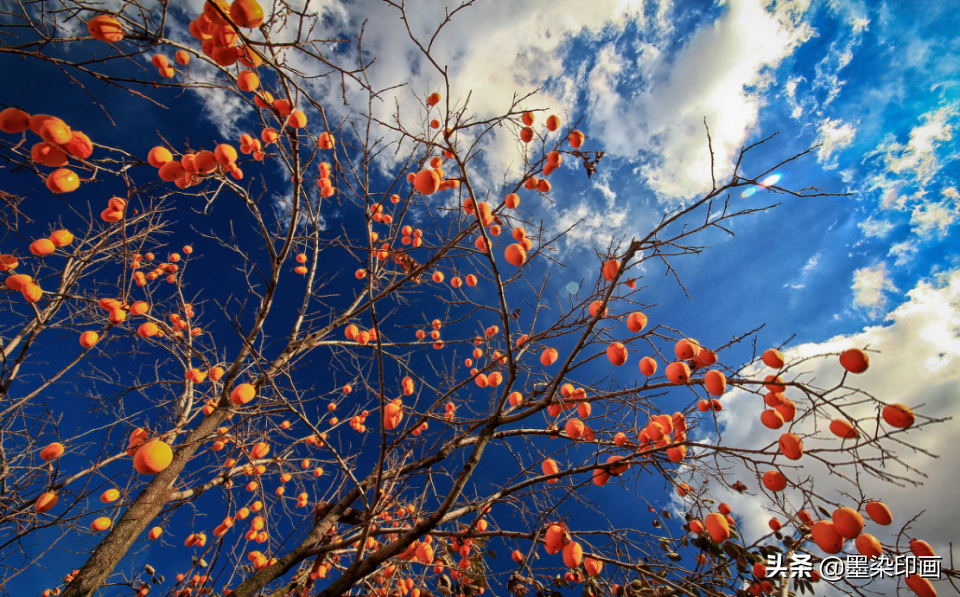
(171, 171)
(774, 481)
(572, 555)
(110, 495)
(574, 428)
(548, 356)
(791, 446)
(105, 28)
(715, 382)
(869, 546)
(920, 585)
(79, 145)
(772, 358)
(686, 349)
(31, 292)
(898, 415)
(771, 419)
(246, 13)
(553, 123)
(101, 524)
(847, 522)
(8, 262)
(392, 415)
(297, 119)
(152, 457)
(242, 394)
(617, 353)
(610, 268)
(678, 372)
(46, 502)
(576, 139)
(42, 247)
(47, 154)
(855, 360)
(55, 131)
(325, 141)
(717, 526)
(636, 322)
(63, 180)
(879, 513)
(61, 238)
(600, 477)
(787, 410)
(843, 429)
(826, 537)
(88, 339)
(515, 255)
(553, 539)
(18, 281)
(147, 330)
(427, 182)
(52, 452)
(205, 162)
(225, 154)
(648, 366)
(269, 135)
(774, 383)
(595, 309)
(14, 120)
(921, 548)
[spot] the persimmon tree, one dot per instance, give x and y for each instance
(331, 446)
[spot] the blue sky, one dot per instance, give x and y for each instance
(876, 84)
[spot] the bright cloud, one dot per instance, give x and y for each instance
(869, 284)
(936, 216)
(874, 228)
(903, 252)
(811, 264)
(917, 362)
(834, 135)
(587, 225)
(918, 158)
(708, 78)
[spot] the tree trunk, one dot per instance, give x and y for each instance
(139, 515)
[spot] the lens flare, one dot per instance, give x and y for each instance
(770, 180)
(765, 183)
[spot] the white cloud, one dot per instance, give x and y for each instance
(790, 89)
(874, 228)
(518, 51)
(917, 363)
(811, 264)
(708, 78)
(918, 158)
(903, 252)
(869, 284)
(602, 184)
(593, 227)
(937, 216)
(834, 135)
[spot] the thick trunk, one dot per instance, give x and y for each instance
(139, 515)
